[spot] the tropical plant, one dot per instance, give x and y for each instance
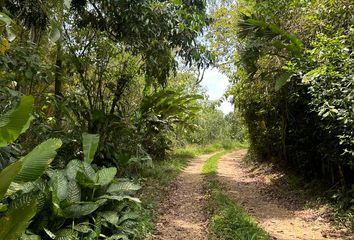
(161, 113)
(293, 84)
(83, 203)
(18, 210)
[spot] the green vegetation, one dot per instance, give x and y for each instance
(211, 165)
(15, 217)
(290, 64)
(95, 89)
(97, 95)
(227, 220)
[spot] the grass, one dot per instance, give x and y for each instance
(227, 220)
(211, 165)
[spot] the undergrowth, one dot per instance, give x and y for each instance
(227, 220)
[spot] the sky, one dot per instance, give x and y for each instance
(216, 84)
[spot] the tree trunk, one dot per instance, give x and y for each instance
(58, 82)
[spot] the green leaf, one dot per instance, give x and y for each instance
(118, 237)
(59, 189)
(15, 187)
(110, 216)
(106, 175)
(72, 168)
(16, 220)
(30, 237)
(79, 210)
(86, 176)
(59, 184)
(11, 35)
(5, 19)
(7, 175)
(49, 233)
(282, 79)
(122, 187)
(67, 3)
(120, 198)
(83, 227)
(37, 161)
(83, 180)
(313, 74)
(74, 192)
(28, 74)
(128, 216)
(16, 121)
(3, 207)
(66, 234)
(90, 144)
(54, 35)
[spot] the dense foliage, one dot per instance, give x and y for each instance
(291, 65)
(91, 91)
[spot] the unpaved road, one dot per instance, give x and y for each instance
(275, 216)
(182, 216)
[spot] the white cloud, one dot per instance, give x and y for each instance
(216, 84)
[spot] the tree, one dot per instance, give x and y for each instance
(286, 83)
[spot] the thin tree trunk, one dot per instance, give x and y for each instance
(341, 177)
(58, 82)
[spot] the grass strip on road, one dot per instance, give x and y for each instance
(211, 165)
(227, 220)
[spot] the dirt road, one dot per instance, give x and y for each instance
(182, 215)
(277, 216)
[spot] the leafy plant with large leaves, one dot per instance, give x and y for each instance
(161, 113)
(18, 209)
(82, 202)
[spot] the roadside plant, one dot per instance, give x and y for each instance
(84, 202)
(161, 113)
(17, 210)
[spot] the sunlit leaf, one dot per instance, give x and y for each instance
(16, 121)
(90, 144)
(37, 161)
